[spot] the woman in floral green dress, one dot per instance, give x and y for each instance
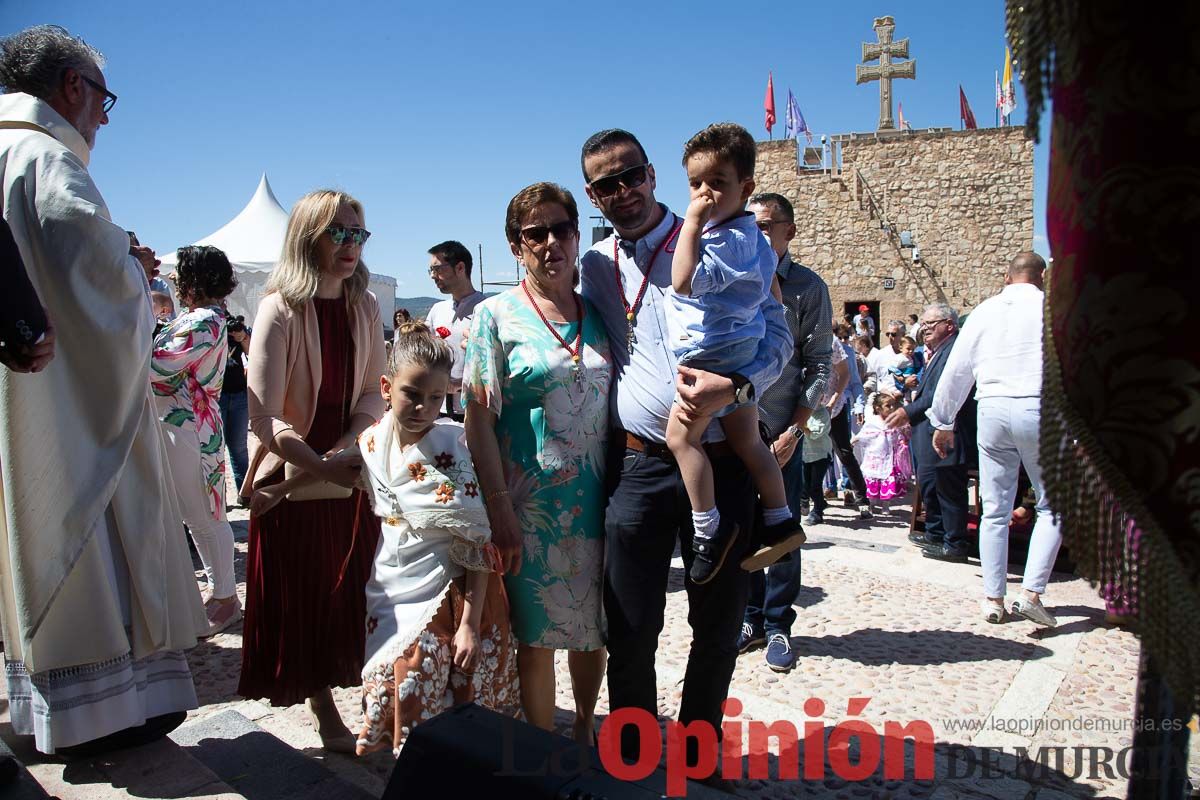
(536, 377)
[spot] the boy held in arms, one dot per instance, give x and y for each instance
(722, 270)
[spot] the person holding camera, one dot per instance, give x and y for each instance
(234, 409)
(186, 373)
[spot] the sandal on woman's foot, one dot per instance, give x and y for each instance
(591, 730)
(342, 742)
(222, 615)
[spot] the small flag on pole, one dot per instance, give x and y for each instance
(999, 102)
(964, 110)
(1010, 94)
(769, 103)
(902, 124)
(795, 120)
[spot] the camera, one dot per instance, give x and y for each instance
(236, 324)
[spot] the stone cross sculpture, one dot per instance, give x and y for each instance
(887, 69)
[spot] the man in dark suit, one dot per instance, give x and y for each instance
(942, 480)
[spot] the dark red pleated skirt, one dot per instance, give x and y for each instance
(309, 562)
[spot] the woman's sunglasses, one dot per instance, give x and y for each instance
(538, 234)
(340, 233)
(630, 179)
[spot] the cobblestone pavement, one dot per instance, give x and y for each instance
(875, 621)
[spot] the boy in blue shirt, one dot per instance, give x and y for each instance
(722, 271)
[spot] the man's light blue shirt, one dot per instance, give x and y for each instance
(644, 385)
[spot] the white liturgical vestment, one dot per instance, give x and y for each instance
(94, 568)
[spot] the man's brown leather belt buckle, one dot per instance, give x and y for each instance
(639, 445)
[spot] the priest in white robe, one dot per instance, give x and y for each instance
(97, 592)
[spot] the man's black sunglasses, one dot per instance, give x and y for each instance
(110, 99)
(630, 178)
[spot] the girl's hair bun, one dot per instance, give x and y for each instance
(416, 344)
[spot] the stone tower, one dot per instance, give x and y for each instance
(964, 197)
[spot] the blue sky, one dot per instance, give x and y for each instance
(434, 115)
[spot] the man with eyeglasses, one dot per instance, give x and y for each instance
(627, 277)
(785, 408)
(96, 585)
(450, 270)
(942, 480)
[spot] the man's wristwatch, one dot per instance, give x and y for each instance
(796, 432)
(743, 389)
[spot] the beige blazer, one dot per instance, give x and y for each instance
(284, 375)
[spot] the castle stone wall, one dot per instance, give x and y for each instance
(966, 196)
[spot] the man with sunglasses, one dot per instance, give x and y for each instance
(881, 361)
(96, 583)
(627, 277)
(450, 271)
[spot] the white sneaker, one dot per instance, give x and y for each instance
(1034, 611)
(993, 612)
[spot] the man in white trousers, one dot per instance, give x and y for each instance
(999, 350)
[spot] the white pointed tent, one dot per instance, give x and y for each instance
(253, 241)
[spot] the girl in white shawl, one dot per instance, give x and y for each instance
(883, 454)
(437, 619)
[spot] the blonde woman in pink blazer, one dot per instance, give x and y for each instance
(314, 368)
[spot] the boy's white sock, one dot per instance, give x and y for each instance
(773, 516)
(705, 523)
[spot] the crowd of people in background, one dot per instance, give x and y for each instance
(432, 519)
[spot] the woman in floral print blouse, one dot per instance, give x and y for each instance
(187, 371)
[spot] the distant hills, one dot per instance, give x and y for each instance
(417, 306)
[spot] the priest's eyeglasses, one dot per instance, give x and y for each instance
(340, 233)
(110, 99)
(630, 178)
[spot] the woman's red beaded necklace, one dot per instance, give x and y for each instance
(632, 310)
(575, 352)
